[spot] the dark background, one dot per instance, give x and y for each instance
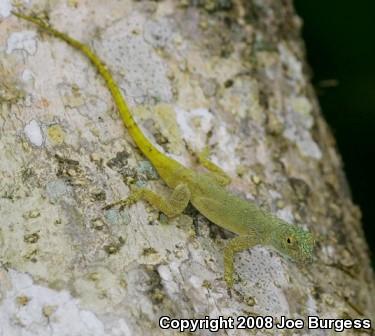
(340, 43)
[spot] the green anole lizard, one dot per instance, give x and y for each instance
(206, 191)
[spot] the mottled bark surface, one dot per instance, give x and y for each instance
(228, 74)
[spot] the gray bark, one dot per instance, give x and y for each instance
(228, 74)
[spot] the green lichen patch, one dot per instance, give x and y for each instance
(148, 251)
(56, 134)
(31, 238)
(11, 91)
(114, 247)
(145, 168)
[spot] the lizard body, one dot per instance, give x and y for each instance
(206, 191)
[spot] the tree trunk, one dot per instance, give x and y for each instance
(227, 74)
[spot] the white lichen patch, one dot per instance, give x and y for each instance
(298, 124)
(286, 214)
(298, 121)
(310, 148)
(99, 287)
(33, 309)
(263, 278)
(5, 8)
(158, 32)
(121, 328)
(191, 277)
(27, 75)
(301, 106)
(195, 125)
(56, 189)
(292, 64)
(34, 133)
(304, 141)
(242, 100)
(225, 148)
(145, 79)
(24, 41)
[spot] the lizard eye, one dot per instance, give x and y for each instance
(288, 240)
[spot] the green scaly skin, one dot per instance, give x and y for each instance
(206, 191)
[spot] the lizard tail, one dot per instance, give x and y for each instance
(146, 147)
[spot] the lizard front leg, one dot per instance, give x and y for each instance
(219, 175)
(171, 207)
(235, 245)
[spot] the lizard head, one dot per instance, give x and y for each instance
(294, 242)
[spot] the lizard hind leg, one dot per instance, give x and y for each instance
(172, 206)
(235, 245)
(216, 172)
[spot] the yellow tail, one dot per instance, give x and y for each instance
(147, 148)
